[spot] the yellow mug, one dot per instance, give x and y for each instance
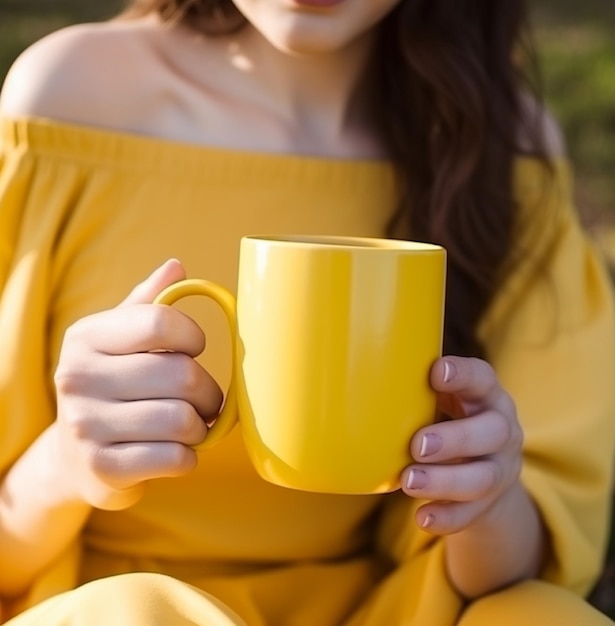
(333, 339)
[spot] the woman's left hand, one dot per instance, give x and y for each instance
(464, 465)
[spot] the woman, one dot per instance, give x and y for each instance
(181, 126)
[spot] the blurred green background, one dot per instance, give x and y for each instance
(576, 46)
(576, 43)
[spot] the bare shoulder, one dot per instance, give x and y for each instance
(78, 74)
(540, 131)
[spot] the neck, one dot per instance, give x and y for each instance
(318, 97)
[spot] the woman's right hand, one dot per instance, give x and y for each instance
(132, 400)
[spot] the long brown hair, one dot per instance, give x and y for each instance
(446, 83)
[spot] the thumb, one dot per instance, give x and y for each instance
(146, 291)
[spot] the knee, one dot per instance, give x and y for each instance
(122, 596)
(146, 598)
(532, 602)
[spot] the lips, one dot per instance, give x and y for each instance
(318, 4)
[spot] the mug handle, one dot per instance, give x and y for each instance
(227, 418)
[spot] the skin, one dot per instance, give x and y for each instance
(291, 84)
(469, 472)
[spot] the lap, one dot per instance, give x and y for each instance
(147, 598)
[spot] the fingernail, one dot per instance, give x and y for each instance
(417, 479)
(450, 371)
(430, 444)
(428, 521)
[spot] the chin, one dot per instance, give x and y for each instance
(303, 42)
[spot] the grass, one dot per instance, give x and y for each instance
(576, 45)
(576, 42)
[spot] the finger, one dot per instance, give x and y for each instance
(472, 380)
(480, 435)
(170, 375)
(144, 420)
(446, 518)
(124, 465)
(138, 328)
(460, 482)
(146, 291)
(184, 379)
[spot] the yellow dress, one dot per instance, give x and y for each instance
(85, 214)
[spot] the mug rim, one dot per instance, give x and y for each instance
(344, 242)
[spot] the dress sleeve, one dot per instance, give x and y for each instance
(34, 197)
(550, 336)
